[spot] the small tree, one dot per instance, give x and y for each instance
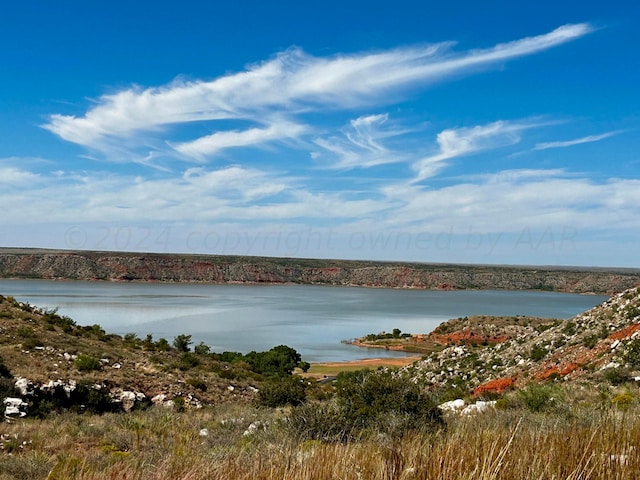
(202, 348)
(279, 361)
(148, 342)
(182, 342)
(163, 345)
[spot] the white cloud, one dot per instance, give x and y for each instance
(288, 84)
(577, 141)
(214, 143)
(505, 201)
(511, 200)
(468, 140)
(361, 144)
(14, 176)
(240, 183)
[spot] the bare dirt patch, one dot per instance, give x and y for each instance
(321, 370)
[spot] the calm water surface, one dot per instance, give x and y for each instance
(311, 319)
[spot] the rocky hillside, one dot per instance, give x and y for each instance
(84, 265)
(46, 358)
(604, 341)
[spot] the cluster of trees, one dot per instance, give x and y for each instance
(277, 362)
(395, 334)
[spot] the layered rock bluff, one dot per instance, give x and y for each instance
(120, 266)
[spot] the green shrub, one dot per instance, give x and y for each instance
(591, 341)
(87, 363)
(366, 403)
(228, 357)
(623, 400)
(538, 352)
(324, 421)
(616, 376)
(365, 396)
(95, 330)
(232, 374)
(31, 343)
(147, 343)
(131, 340)
(541, 398)
(94, 400)
(26, 332)
(282, 391)
(7, 387)
(179, 404)
(162, 345)
(569, 328)
(632, 353)
(188, 360)
(197, 383)
(631, 311)
(4, 370)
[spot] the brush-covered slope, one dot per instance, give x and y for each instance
(45, 351)
(595, 343)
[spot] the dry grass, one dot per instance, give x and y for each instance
(512, 444)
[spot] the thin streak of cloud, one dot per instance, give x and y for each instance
(362, 145)
(577, 141)
(466, 141)
(212, 144)
(291, 82)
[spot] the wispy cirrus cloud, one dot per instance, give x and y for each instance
(286, 86)
(577, 141)
(362, 144)
(212, 144)
(468, 140)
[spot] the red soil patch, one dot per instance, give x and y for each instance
(558, 370)
(499, 385)
(625, 332)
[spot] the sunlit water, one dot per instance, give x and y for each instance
(311, 319)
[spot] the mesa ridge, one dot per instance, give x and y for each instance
(161, 267)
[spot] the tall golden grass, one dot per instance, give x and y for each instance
(582, 443)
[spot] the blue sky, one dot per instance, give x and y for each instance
(492, 132)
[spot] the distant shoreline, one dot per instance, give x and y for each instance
(25, 263)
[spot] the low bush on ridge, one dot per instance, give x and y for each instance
(366, 401)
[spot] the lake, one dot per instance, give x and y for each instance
(311, 319)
